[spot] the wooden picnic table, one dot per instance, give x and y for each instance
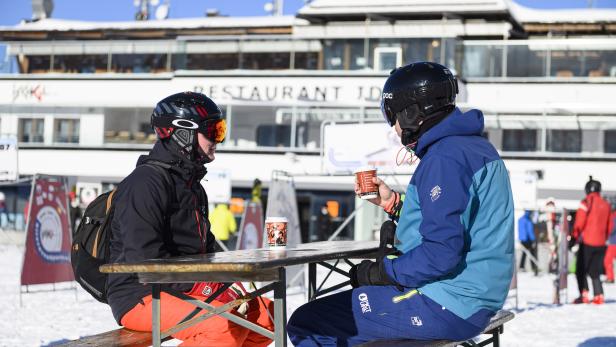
(244, 265)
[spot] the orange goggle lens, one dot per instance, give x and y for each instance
(214, 130)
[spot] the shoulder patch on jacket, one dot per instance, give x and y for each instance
(435, 193)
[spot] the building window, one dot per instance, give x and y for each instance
(31, 130)
(66, 131)
(609, 141)
(564, 141)
(520, 140)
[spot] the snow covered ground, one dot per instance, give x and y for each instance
(46, 318)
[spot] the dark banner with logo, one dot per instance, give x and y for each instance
(48, 238)
(250, 235)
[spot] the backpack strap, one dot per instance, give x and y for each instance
(164, 168)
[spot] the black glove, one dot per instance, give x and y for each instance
(387, 240)
(369, 273)
(572, 242)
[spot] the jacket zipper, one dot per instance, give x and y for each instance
(197, 218)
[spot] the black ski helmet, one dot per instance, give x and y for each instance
(418, 94)
(592, 186)
(179, 117)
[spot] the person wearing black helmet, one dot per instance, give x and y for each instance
(161, 211)
(455, 257)
(591, 231)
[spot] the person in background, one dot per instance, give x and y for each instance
(610, 254)
(3, 210)
(257, 188)
(324, 223)
(526, 235)
(224, 225)
(590, 231)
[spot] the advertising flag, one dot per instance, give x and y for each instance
(250, 235)
(48, 240)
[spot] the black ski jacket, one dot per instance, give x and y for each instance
(154, 220)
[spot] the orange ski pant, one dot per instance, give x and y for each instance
(214, 331)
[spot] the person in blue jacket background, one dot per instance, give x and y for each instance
(526, 235)
(455, 229)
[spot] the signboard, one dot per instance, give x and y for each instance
(350, 146)
(48, 239)
(8, 159)
(524, 188)
(87, 192)
(217, 184)
(250, 235)
(281, 202)
(280, 89)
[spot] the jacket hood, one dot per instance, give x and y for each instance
(456, 124)
(185, 168)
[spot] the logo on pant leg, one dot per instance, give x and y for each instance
(416, 321)
(363, 303)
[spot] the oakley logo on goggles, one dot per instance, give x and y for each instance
(214, 129)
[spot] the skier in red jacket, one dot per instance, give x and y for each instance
(591, 231)
(610, 254)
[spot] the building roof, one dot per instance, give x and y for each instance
(350, 7)
(570, 15)
(53, 24)
(522, 14)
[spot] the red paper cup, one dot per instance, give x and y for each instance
(367, 189)
(276, 231)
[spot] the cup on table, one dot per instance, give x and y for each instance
(367, 189)
(276, 231)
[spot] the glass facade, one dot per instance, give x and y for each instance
(539, 58)
(31, 130)
(609, 141)
(66, 130)
(564, 141)
(520, 140)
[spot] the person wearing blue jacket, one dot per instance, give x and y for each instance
(455, 256)
(526, 235)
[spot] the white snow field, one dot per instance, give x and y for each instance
(47, 318)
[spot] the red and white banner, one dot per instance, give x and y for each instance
(250, 235)
(48, 240)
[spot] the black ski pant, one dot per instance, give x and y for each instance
(594, 266)
(530, 246)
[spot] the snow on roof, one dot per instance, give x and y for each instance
(53, 24)
(520, 13)
(570, 15)
(340, 7)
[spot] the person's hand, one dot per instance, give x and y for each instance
(387, 240)
(234, 292)
(370, 273)
(385, 193)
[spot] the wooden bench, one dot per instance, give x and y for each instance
(114, 338)
(495, 328)
(125, 337)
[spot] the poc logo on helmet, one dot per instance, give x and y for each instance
(185, 123)
(388, 95)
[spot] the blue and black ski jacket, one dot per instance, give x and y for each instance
(456, 225)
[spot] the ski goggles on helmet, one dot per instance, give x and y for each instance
(214, 130)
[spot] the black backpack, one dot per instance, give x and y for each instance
(90, 248)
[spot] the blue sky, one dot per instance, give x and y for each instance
(12, 11)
